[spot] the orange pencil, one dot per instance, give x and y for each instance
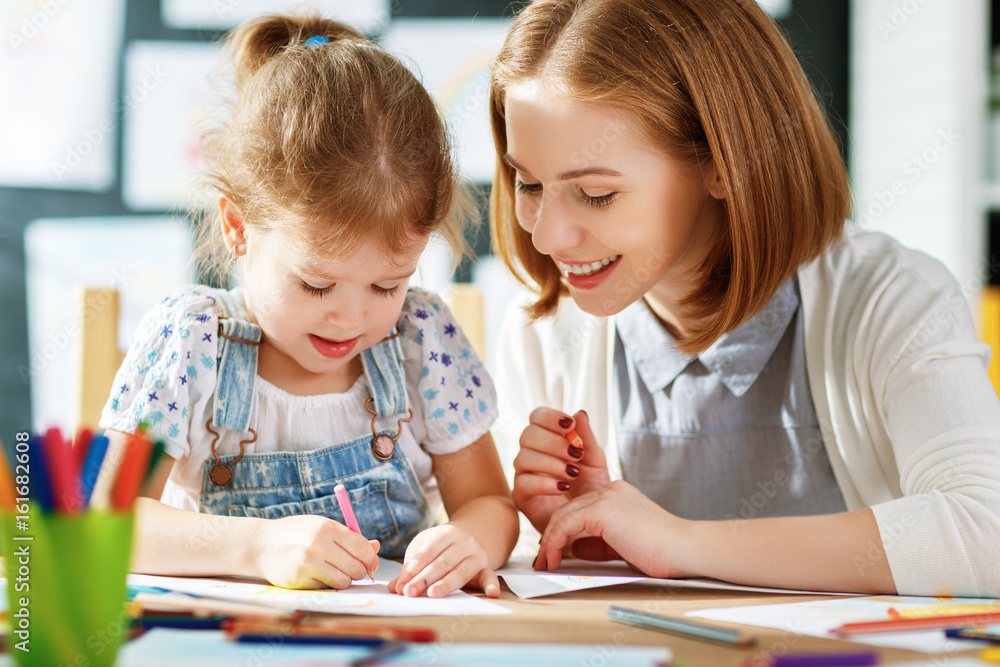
(575, 439)
(912, 624)
(132, 472)
(7, 494)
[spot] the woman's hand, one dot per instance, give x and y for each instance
(311, 551)
(442, 559)
(549, 471)
(621, 522)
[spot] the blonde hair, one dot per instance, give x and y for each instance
(703, 79)
(332, 143)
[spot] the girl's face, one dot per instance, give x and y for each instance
(620, 218)
(320, 314)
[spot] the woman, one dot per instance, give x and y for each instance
(780, 399)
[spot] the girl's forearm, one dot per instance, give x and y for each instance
(493, 522)
(836, 552)
(171, 541)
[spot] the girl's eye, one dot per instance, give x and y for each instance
(599, 201)
(528, 188)
(386, 291)
(314, 291)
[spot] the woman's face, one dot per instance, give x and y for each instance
(620, 218)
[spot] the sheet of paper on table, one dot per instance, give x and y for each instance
(163, 647)
(816, 618)
(579, 575)
(363, 598)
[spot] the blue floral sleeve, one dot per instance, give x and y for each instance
(448, 385)
(168, 374)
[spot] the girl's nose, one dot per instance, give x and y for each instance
(347, 313)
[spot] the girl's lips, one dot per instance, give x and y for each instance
(592, 280)
(333, 349)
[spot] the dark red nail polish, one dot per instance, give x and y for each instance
(562, 486)
(572, 470)
(574, 451)
(565, 422)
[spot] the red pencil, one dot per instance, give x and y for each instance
(912, 624)
(131, 473)
(66, 495)
(81, 443)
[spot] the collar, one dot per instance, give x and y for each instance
(736, 359)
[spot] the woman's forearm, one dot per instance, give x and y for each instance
(836, 552)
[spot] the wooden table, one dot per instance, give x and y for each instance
(580, 618)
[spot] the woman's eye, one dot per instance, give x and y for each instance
(528, 188)
(598, 201)
(314, 291)
(386, 291)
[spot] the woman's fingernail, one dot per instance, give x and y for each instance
(572, 470)
(565, 422)
(562, 486)
(575, 452)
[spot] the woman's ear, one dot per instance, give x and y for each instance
(712, 180)
(232, 225)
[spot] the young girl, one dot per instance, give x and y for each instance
(324, 368)
(781, 401)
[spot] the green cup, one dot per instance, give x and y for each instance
(66, 586)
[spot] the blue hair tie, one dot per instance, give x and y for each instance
(317, 40)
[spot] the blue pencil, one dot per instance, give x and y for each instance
(41, 482)
(92, 466)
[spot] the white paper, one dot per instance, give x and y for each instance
(817, 618)
(170, 102)
(368, 16)
(58, 76)
(363, 598)
(579, 575)
(452, 57)
(144, 257)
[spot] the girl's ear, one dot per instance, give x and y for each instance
(232, 225)
(712, 180)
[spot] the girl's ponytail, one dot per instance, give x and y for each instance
(256, 42)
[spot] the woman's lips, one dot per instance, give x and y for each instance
(592, 280)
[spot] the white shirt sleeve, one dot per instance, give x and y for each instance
(448, 386)
(942, 416)
(169, 370)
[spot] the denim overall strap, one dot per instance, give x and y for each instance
(383, 363)
(237, 368)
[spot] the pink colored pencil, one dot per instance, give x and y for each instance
(344, 500)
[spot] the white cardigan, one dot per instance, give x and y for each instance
(909, 418)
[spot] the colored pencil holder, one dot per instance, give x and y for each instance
(66, 586)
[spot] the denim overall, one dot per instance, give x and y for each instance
(386, 495)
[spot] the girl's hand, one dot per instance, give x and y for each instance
(311, 551)
(442, 559)
(621, 522)
(549, 471)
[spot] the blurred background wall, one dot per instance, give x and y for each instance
(101, 103)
